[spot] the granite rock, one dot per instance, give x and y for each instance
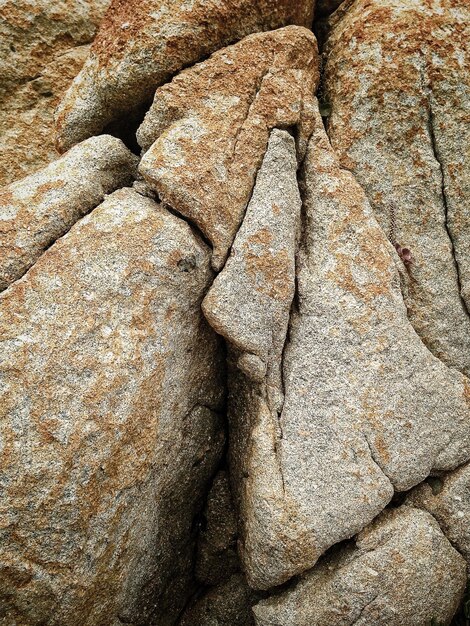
(111, 382)
(40, 208)
(140, 46)
(398, 90)
(399, 571)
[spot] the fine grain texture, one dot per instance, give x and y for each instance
(398, 89)
(110, 385)
(42, 48)
(141, 45)
(367, 409)
(230, 103)
(400, 571)
(40, 208)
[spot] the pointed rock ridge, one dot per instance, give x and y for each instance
(249, 302)
(367, 408)
(447, 498)
(399, 123)
(142, 44)
(110, 385)
(399, 571)
(207, 131)
(40, 208)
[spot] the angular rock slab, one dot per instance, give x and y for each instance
(141, 45)
(207, 131)
(447, 498)
(37, 210)
(397, 84)
(110, 379)
(367, 409)
(400, 571)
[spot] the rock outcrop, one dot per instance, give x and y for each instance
(111, 383)
(400, 571)
(37, 210)
(397, 84)
(139, 47)
(231, 102)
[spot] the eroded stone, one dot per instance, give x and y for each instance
(110, 385)
(229, 103)
(40, 208)
(140, 46)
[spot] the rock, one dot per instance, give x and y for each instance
(227, 604)
(249, 302)
(447, 498)
(400, 571)
(367, 410)
(326, 7)
(139, 47)
(217, 557)
(230, 103)
(399, 93)
(111, 382)
(39, 209)
(42, 48)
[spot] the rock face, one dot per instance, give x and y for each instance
(39, 209)
(41, 51)
(447, 498)
(401, 571)
(399, 93)
(140, 47)
(111, 383)
(230, 102)
(367, 408)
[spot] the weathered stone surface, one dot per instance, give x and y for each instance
(400, 571)
(217, 557)
(41, 51)
(228, 604)
(447, 498)
(397, 84)
(249, 302)
(367, 409)
(230, 103)
(110, 382)
(39, 209)
(140, 46)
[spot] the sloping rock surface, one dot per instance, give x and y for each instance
(39, 209)
(110, 383)
(140, 46)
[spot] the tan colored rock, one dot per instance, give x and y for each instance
(397, 84)
(42, 207)
(367, 410)
(42, 48)
(447, 498)
(400, 571)
(141, 45)
(210, 127)
(110, 386)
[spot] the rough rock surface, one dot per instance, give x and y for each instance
(397, 83)
(447, 498)
(139, 47)
(39, 209)
(110, 383)
(400, 571)
(368, 409)
(41, 51)
(230, 102)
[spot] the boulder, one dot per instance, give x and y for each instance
(398, 90)
(399, 571)
(229, 102)
(140, 46)
(111, 383)
(42, 207)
